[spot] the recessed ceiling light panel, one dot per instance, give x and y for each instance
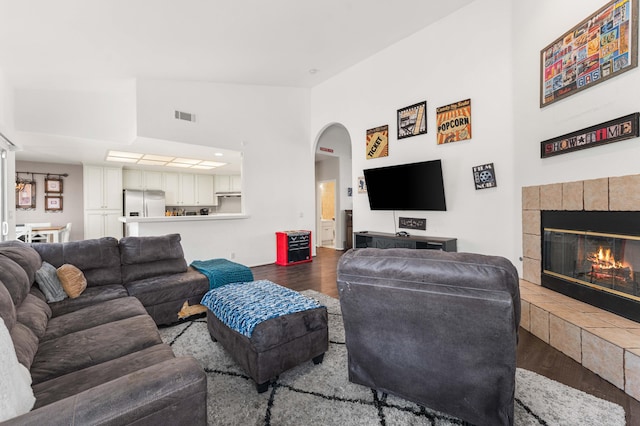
(124, 154)
(151, 163)
(186, 161)
(162, 160)
(122, 159)
(154, 157)
(212, 164)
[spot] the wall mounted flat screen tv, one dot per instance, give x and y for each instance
(415, 186)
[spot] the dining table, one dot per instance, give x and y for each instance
(52, 232)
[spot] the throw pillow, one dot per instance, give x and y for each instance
(47, 279)
(72, 279)
(16, 395)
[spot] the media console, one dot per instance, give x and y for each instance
(384, 240)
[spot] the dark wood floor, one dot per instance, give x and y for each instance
(533, 354)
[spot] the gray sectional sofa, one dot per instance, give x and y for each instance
(98, 358)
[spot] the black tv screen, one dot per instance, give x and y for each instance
(415, 186)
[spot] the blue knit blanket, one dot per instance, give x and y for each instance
(242, 306)
(222, 271)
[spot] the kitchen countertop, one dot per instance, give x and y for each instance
(216, 216)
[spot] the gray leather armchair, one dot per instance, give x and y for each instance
(436, 328)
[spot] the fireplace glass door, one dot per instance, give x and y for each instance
(606, 262)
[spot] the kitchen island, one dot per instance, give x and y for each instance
(203, 236)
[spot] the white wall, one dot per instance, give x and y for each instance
(6, 103)
(91, 109)
(466, 55)
(489, 52)
(270, 125)
(72, 197)
(605, 101)
(538, 24)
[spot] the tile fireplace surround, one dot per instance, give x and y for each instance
(605, 343)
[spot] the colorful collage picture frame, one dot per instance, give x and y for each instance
(601, 47)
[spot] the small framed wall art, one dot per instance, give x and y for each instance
(454, 122)
(362, 185)
(484, 176)
(378, 142)
(412, 120)
(53, 203)
(53, 186)
(25, 195)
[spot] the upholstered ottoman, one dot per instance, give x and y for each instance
(266, 328)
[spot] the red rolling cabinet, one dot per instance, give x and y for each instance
(293, 247)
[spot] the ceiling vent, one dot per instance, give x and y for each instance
(187, 116)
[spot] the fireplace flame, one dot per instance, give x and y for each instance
(603, 261)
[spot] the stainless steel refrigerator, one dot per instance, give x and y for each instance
(143, 203)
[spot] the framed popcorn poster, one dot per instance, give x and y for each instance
(378, 142)
(454, 122)
(601, 47)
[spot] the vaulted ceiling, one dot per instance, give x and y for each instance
(55, 45)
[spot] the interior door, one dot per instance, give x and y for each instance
(328, 213)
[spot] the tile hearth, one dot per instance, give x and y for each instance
(605, 343)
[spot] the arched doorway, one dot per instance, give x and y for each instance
(333, 168)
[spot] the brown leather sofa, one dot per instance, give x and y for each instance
(99, 358)
(436, 328)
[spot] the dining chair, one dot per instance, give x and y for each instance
(35, 238)
(64, 235)
(21, 232)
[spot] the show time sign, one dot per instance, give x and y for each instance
(615, 130)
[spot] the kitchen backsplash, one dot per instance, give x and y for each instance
(225, 205)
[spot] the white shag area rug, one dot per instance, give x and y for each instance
(322, 394)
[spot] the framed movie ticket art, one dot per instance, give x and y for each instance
(378, 142)
(412, 120)
(601, 47)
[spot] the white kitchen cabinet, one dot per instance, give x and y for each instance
(228, 183)
(171, 187)
(140, 179)
(204, 191)
(98, 224)
(236, 183)
(132, 179)
(188, 189)
(221, 183)
(102, 201)
(102, 188)
(152, 180)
